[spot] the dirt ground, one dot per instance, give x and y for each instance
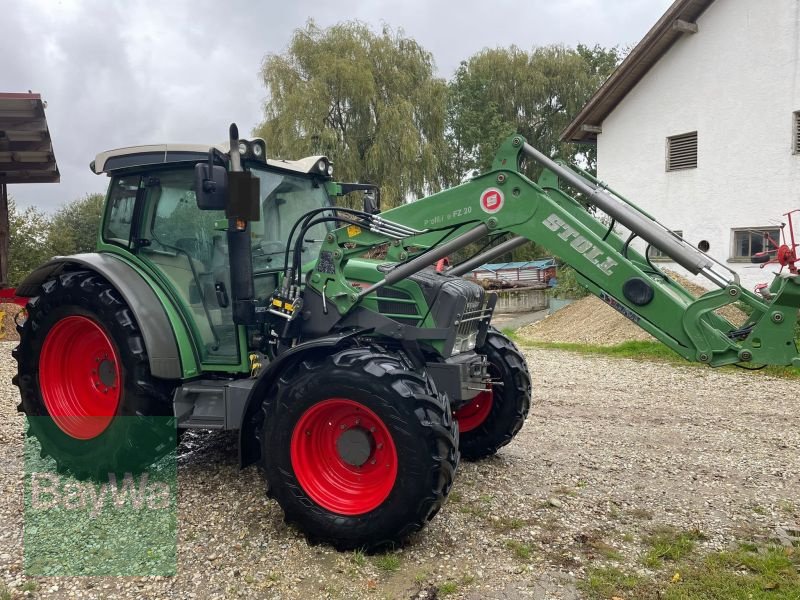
(612, 448)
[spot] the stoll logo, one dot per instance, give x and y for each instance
(50, 491)
(591, 252)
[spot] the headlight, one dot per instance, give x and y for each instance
(258, 150)
(322, 166)
(243, 148)
(330, 170)
(465, 342)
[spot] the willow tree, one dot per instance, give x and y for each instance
(369, 101)
(501, 91)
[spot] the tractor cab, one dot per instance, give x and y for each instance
(153, 219)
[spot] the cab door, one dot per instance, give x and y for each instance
(179, 242)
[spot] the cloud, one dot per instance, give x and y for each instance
(123, 73)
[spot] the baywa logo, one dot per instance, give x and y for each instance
(122, 523)
(51, 491)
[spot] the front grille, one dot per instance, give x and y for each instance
(387, 292)
(391, 304)
(397, 308)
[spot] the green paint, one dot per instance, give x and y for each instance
(561, 224)
(189, 359)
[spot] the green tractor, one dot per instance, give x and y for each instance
(229, 291)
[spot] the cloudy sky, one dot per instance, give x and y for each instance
(123, 73)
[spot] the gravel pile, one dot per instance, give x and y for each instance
(585, 321)
(612, 448)
(591, 321)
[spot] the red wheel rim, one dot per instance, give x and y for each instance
(340, 480)
(474, 413)
(79, 377)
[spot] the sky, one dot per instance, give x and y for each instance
(125, 73)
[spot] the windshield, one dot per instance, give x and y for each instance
(285, 199)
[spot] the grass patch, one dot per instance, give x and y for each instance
(521, 550)
(512, 335)
(607, 582)
(29, 586)
(421, 577)
(506, 524)
(750, 572)
(638, 350)
(474, 510)
(358, 558)
(455, 496)
(669, 544)
(5, 594)
(387, 562)
(595, 547)
(647, 350)
(447, 588)
(765, 573)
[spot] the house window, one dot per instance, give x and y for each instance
(750, 241)
(796, 133)
(682, 152)
(656, 254)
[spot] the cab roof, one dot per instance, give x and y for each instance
(120, 159)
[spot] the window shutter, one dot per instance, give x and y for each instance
(682, 152)
(796, 133)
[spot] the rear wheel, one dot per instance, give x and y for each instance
(494, 417)
(358, 450)
(85, 380)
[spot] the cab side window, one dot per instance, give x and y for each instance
(119, 213)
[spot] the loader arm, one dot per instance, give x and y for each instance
(503, 200)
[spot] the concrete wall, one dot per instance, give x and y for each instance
(736, 82)
(521, 300)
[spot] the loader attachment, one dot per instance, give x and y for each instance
(503, 201)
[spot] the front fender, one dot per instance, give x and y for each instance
(249, 449)
(157, 331)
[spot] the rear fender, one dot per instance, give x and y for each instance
(249, 448)
(157, 330)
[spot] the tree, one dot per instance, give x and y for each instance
(507, 90)
(368, 101)
(74, 226)
(28, 242)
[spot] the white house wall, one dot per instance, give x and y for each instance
(737, 83)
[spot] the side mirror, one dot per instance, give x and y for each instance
(210, 185)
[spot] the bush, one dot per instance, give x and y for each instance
(568, 286)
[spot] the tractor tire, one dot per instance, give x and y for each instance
(493, 418)
(359, 450)
(85, 382)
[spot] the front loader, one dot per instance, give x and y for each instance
(228, 291)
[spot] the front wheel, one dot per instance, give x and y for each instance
(359, 450)
(494, 417)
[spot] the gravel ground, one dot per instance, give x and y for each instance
(613, 448)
